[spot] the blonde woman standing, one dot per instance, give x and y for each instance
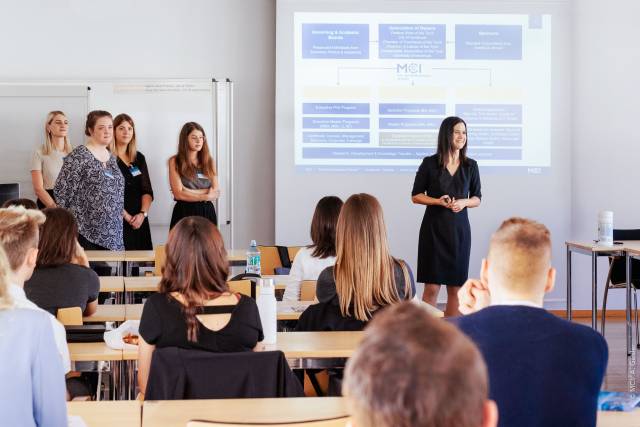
(48, 158)
(365, 277)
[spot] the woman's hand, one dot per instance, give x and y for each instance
(137, 220)
(80, 257)
(445, 201)
(458, 205)
(213, 194)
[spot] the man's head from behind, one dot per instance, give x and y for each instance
(414, 370)
(519, 262)
(19, 233)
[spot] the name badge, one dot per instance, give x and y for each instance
(203, 176)
(135, 171)
(108, 174)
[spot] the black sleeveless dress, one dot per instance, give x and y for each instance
(444, 244)
(137, 183)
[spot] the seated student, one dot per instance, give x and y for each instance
(365, 278)
(413, 370)
(543, 370)
(32, 387)
(194, 308)
(26, 203)
(19, 239)
(311, 260)
(62, 277)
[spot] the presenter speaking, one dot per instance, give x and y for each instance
(447, 183)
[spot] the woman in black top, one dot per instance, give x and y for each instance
(447, 183)
(138, 193)
(62, 277)
(192, 176)
(194, 307)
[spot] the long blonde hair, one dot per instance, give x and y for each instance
(364, 270)
(48, 146)
(132, 147)
(5, 299)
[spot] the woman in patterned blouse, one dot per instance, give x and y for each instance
(91, 186)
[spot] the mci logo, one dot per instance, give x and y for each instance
(409, 68)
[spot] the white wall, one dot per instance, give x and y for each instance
(606, 103)
(77, 39)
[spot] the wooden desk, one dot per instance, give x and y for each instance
(93, 351)
(107, 313)
(108, 413)
(142, 284)
(176, 413)
(618, 419)
(105, 256)
(111, 284)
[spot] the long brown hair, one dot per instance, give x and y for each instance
(184, 166)
(364, 270)
(323, 227)
(132, 147)
(58, 236)
(196, 267)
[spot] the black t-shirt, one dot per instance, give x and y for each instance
(163, 324)
(326, 316)
(67, 285)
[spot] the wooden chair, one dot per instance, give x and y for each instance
(308, 290)
(71, 316)
(328, 422)
(293, 251)
(240, 286)
(269, 260)
(160, 258)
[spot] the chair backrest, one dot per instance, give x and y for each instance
(293, 251)
(160, 258)
(71, 316)
(240, 286)
(329, 422)
(308, 290)
(178, 373)
(617, 273)
(269, 259)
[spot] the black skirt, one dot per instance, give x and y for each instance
(137, 240)
(185, 209)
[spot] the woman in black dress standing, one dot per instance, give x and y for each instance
(192, 176)
(138, 193)
(447, 183)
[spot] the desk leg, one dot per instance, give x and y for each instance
(594, 290)
(628, 306)
(569, 284)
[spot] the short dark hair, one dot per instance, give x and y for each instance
(445, 138)
(323, 227)
(58, 236)
(412, 369)
(26, 203)
(92, 118)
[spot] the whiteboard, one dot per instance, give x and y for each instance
(23, 111)
(159, 109)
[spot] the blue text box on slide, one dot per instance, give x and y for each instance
(409, 123)
(335, 137)
(489, 42)
(490, 114)
(495, 136)
(348, 153)
(335, 123)
(412, 41)
(335, 108)
(413, 109)
(335, 41)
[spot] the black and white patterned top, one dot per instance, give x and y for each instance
(95, 195)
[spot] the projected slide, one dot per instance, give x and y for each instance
(372, 89)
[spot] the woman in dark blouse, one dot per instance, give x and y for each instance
(447, 183)
(365, 278)
(91, 186)
(62, 277)
(192, 176)
(194, 308)
(138, 193)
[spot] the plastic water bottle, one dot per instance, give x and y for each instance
(253, 259)
(605, 228)
(267, 307)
